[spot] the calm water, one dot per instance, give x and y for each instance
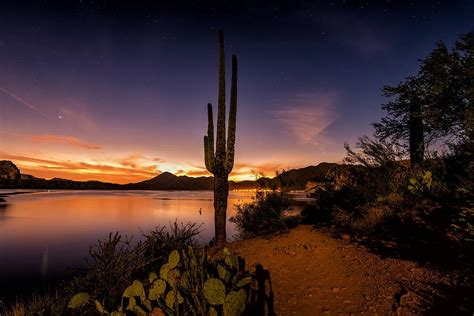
(44, 233)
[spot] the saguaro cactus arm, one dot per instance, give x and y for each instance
(232, 118)
(209, 141)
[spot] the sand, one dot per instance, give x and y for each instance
(312, 274)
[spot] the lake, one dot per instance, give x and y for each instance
(42, 234)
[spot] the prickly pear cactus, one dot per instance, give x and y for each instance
(173, 259)
(79, 300)
(157, 290)
(214, 291)
(190, 283)
(234, 304)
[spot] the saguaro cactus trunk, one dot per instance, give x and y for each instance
(416, 140)
(221, 160)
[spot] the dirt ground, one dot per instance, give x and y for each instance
(312, 273)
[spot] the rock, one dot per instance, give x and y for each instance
(28, 177)
(8, 171)
(307, 247)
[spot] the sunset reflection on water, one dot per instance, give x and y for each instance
(43, 233)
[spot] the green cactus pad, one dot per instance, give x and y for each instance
(214, 291)
(164, 271)
(232, 260)
(244, 281)
(100, 308)
(138, 311)
(173, 259)
(118, 314)
(157, 290)
(78, 300)
(234, 304)
(226, 251)
(147, 304)
(135, 290)
(171, 298)
(223, 273)
(173, 277)
(152, 277)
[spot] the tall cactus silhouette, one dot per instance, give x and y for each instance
(221, 160)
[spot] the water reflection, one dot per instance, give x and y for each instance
(46, 232)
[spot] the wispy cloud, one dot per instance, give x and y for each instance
(135, 160)
(77, 115)
(20, 100)
(65, 140)
(307, 116)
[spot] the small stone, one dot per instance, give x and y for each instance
(335, 289)
(307, 247)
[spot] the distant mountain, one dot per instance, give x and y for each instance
(11, 178)
(169, 181)
(296, 179)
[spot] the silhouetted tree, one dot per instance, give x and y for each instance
(433, 106)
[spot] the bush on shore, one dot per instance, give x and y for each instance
(264, 215)
(429, 206)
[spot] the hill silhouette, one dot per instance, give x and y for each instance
(295, 179)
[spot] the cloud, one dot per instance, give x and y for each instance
(308, 116)
(21, 101)
(76, 113)
(135, 160)
(78, 170)
(64, 140)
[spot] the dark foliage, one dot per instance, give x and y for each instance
(264, 215)
(435, 105)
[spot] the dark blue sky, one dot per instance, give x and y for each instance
(92, 86)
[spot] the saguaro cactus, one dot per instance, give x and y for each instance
(221, 160)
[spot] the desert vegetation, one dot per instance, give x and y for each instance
(405, 193)
(269, 212)
(421, 206)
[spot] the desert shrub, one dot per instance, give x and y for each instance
(264, 215)
(37, 305)
(382, 169)
(331, 201)
(463, 219)
(115, 261)
(377, 185)
(189, 283)
(159, 242)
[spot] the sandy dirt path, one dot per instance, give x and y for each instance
(314, 274)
